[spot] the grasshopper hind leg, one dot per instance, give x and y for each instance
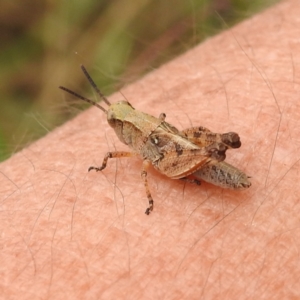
(203, 137)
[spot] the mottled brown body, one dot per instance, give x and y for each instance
(177, 154)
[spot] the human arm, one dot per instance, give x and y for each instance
(70, 233)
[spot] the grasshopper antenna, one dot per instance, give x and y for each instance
(83, 98)
(87, 75)
(93, 84)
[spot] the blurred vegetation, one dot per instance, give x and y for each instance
(44, 42)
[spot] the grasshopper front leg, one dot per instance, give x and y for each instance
(116, 154)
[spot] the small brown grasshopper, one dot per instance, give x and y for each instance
(194, 152)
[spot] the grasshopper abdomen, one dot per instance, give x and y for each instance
(223, 175)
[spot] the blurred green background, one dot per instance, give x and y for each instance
(44, 42)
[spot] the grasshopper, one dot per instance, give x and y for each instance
(192, 154)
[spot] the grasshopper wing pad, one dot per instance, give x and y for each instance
(189, 162)
(179, 157)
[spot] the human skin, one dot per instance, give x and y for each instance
(70, 234)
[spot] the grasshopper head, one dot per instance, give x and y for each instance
(116, 115)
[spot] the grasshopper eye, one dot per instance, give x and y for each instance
(111, 115)
(112, 119)
(117, 126)
(115, 123)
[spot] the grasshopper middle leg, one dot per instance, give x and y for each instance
(145, 166)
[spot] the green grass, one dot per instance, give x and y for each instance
(44, 42)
